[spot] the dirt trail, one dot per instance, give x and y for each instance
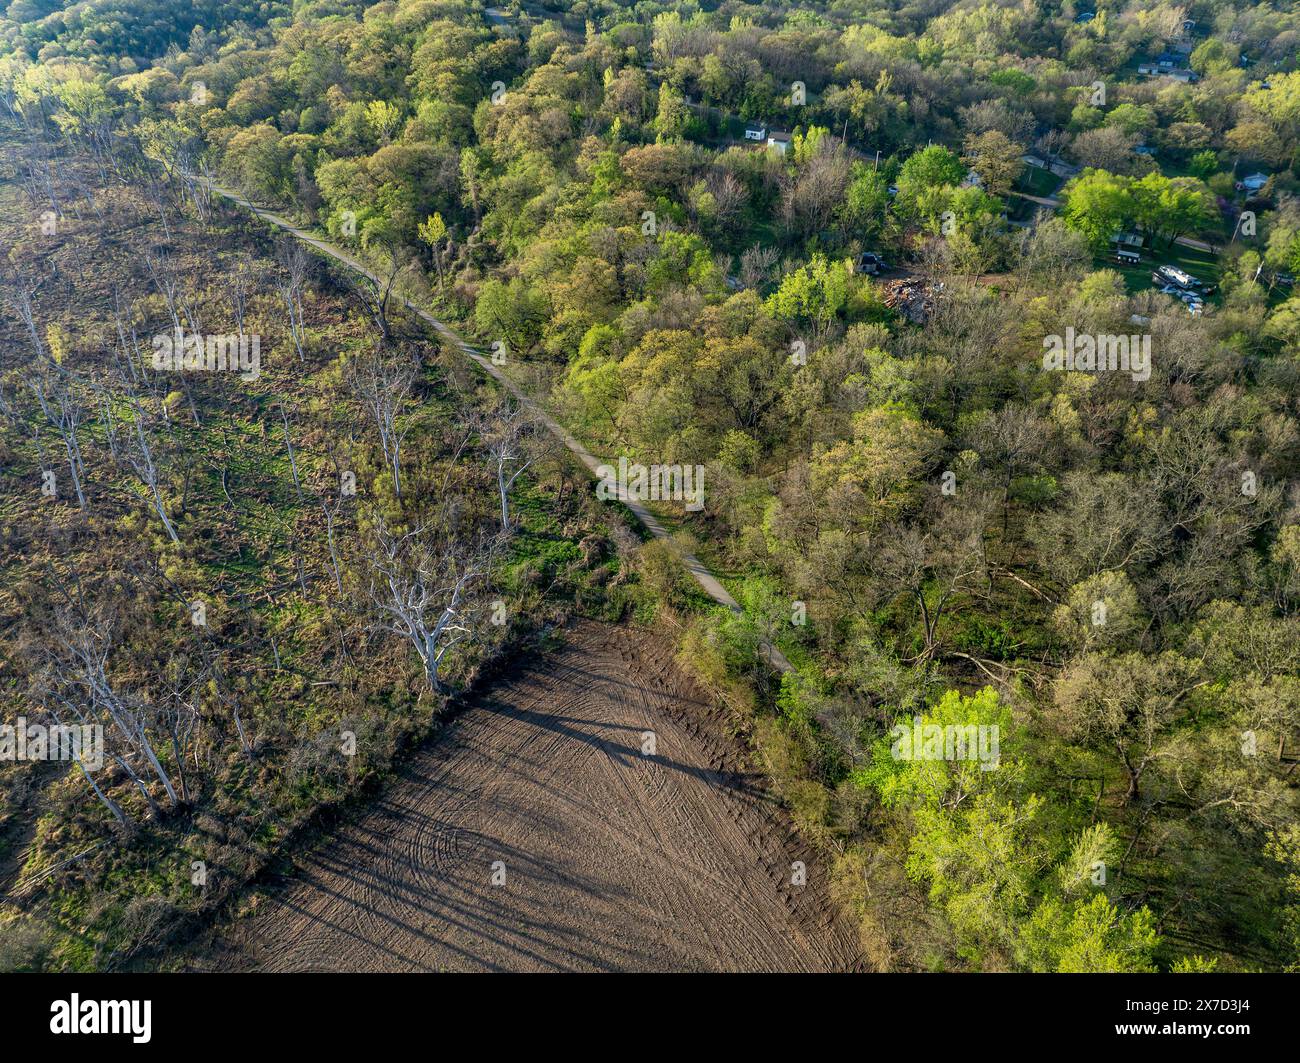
(711, 585)
(613, 860)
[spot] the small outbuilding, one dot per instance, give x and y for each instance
(779, 141)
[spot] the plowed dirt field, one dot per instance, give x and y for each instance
(534, 834)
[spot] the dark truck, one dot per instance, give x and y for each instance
(871, 264)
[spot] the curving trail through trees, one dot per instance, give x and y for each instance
(710, 584)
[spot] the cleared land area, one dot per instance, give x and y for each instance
(612, 859)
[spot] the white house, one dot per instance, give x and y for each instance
(780, 141)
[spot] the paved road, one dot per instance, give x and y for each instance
(707, 581)
(1042, 201)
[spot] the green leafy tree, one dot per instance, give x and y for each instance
(815, 295)
(383, 117)
(673, 114)
(931, 167)
(1088, 937)
(1097, 204)
(996, 159)
(1170, 206)
(433, 232)
(866, 202)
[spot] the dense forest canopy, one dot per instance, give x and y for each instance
(666, 218)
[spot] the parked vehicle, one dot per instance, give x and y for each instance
(871, 264)
(1172, 275)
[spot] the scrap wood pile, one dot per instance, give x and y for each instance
(911, 297)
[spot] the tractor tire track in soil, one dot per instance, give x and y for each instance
(614, 860)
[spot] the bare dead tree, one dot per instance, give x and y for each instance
(75, 712)
(240, 283)
(934, 562)
(246, 744)
(33, 181)
(9, 101)
(64, 412)
(756, 265)
(155, 192)
(22, 288)
(104, 400)
(729, 196)
(179, 712)
(162, 271)
(288, 445)
(374, 295)
(505, 435)
(129, 355)
(421, 593)
(85, 193)
(45, 181)
(99, 133)
(384, 385)
(166, 278)
(331, 511)
(294, 269)
(193, 187)
(77, 667)
(139, 454)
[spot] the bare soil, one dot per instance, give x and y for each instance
(613, 860)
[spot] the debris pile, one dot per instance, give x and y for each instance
(911, 297)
